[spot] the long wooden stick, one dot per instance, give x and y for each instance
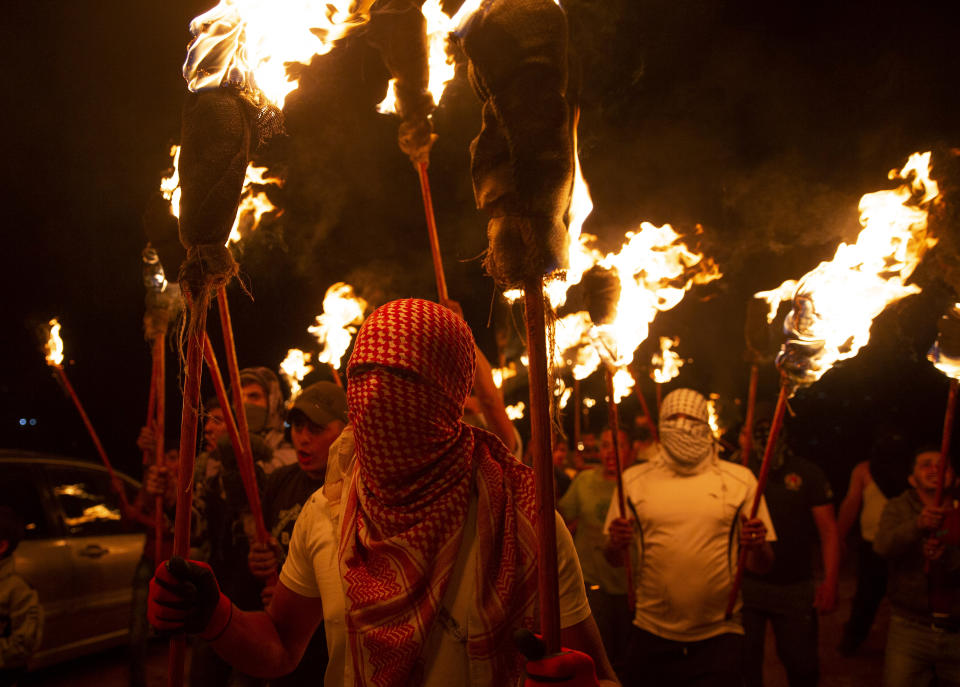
(761, 485)
(621, 497)
(253, 494)
(188, 453)
(151, 402)
(747, 440)
(548, 575)
(92, 432)
(945, 440)
(159, 429)
(432, 230)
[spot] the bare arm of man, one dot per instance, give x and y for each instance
(826, 598)
(850, 508)
(270, 643)
(585, 637)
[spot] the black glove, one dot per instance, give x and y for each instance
(185, 597)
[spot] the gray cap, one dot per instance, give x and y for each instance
(321, 403)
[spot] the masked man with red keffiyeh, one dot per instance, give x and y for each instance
(419, 553)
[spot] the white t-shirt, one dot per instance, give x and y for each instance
(689, 527)
(312, 569)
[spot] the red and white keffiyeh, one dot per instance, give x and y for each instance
(404, 510)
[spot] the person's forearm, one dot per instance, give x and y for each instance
(829, 551)
(898, 533)
(847, 516)
(252, 644)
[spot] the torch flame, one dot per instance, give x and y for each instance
(54, 345)
(170, 186)
(248, 43)
(668, 362)
(253, 204)
(948, 365)
(335, 327)
(515, 412)
(502, 374)
(294, 368)
(713, 418)
(835, 304)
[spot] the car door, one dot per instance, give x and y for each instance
(43, 557)
(104, 549)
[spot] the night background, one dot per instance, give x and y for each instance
(762, 122)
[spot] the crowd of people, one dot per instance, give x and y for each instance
(402, 544)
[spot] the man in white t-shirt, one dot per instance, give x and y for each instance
(419, 554)
(688, 510)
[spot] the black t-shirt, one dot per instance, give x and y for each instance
(284, 492)
(791, 492)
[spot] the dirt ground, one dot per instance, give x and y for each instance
(109, 668)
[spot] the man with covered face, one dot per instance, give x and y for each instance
(687, 515)
(419, 553)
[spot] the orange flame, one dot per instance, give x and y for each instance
(713, 418)
(947, 365)
(668, 362)
(834, 304)
(342, 312)
(253, 204)
(515, 412)
(248, 43)
(170, 186)
(294, 368)
(54, 345)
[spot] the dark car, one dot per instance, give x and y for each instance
(77, 552)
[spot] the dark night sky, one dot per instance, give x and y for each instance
(764, 122)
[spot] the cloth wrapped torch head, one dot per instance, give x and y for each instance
(215, 138)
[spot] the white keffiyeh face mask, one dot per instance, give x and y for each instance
(684, 432)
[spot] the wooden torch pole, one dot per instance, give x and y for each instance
(621, 498)
(159, 428)
(775, 427)
(542, 465)
(93, 433)
(245, 457)
(747, 441)
(432, 230)
(249, 486)
(188, 453)
(945, 440)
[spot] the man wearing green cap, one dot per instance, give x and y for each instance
(317, 418)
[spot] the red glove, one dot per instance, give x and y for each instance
(569, 668)
(185, 597)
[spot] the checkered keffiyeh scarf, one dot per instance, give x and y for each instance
(404, 510)
(684, 431)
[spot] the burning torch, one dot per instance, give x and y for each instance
(163, 303)
(54, 356)
(835, 304)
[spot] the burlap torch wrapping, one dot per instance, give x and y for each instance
(522, 166)
(397, 29)
(522, 160)
(216, 137)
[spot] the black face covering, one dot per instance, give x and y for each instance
(761, 432)
(256, 417)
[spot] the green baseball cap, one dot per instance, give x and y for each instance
(321, 403)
